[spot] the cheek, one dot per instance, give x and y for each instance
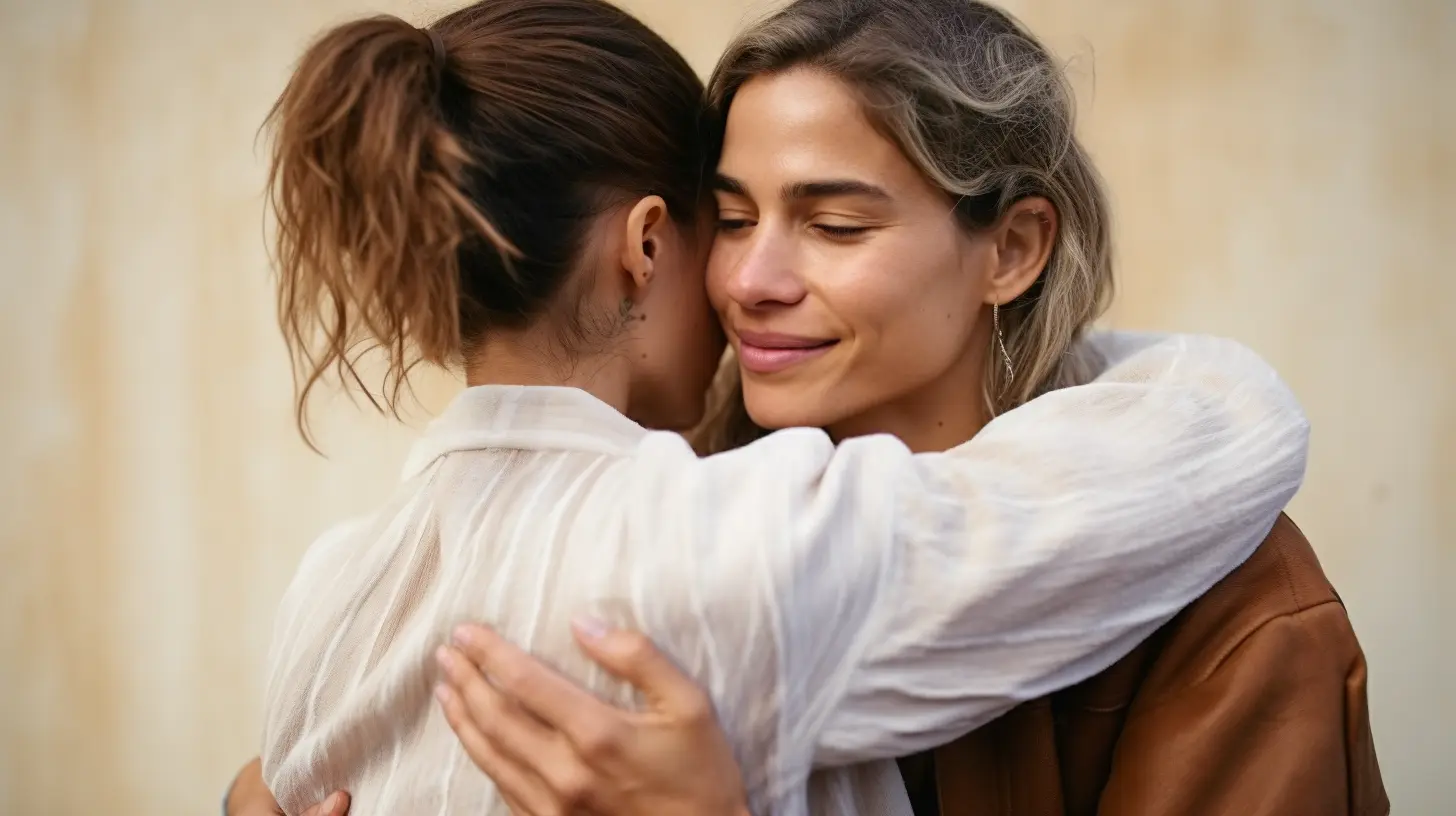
(911, 313)
(684, 335)
(912, 287)
(913, 334)
(717, 277)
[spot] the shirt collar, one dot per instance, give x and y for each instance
(524, 417)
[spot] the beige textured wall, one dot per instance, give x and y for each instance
(1284, 172)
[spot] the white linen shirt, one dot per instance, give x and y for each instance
(842, 605)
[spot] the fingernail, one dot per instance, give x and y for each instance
(442, 692)
(590, 628)
(444, 658)
(464, 634)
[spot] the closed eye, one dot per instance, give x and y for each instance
(733, 224)
(834, 231)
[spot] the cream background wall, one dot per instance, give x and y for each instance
(1283, 171)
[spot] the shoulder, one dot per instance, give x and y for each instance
(1155, 350)
(798, 474)
(334, 543)
(1281, 591)
(669, 458)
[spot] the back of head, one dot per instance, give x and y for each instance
(434, 185)
(984, 111)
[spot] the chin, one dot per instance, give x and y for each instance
(777, 411)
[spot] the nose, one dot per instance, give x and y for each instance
(763, 275)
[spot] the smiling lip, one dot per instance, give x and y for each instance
(770, 353)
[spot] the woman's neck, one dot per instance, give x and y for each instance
(523, 358)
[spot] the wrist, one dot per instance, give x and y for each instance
(227, 798)
(241, 787)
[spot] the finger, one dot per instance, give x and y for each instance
(516, 808)
(540, 689)
(336, 804)
(633, 658)
(509, 726)
(523, 792)
(520, 738)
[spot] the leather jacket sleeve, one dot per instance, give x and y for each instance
(1271, 730)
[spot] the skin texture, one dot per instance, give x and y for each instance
(827, 234)
(643, 339)
(671, 342)
(250, 797)
(827, 231)
(552, 745)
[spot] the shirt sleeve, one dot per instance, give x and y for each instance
(857, 602)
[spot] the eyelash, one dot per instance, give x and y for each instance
(841, 232)
(735, 224)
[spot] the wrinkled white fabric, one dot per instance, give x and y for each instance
(843, 605)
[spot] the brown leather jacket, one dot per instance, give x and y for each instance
(1250, 702)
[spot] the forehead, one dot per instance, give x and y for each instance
(805, 124)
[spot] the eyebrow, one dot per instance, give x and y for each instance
(833, 188)
(829, 188)
(728, 184)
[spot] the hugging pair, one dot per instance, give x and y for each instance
(926, 516)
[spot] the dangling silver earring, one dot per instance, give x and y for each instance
(1001, 342)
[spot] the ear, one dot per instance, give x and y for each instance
(646, 225)
(1024, 237)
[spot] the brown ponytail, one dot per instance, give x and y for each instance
(429, 186)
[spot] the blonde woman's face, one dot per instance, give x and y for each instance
(853, 297)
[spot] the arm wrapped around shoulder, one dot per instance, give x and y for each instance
(855, 602)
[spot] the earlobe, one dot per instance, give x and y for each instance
(640, 250)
